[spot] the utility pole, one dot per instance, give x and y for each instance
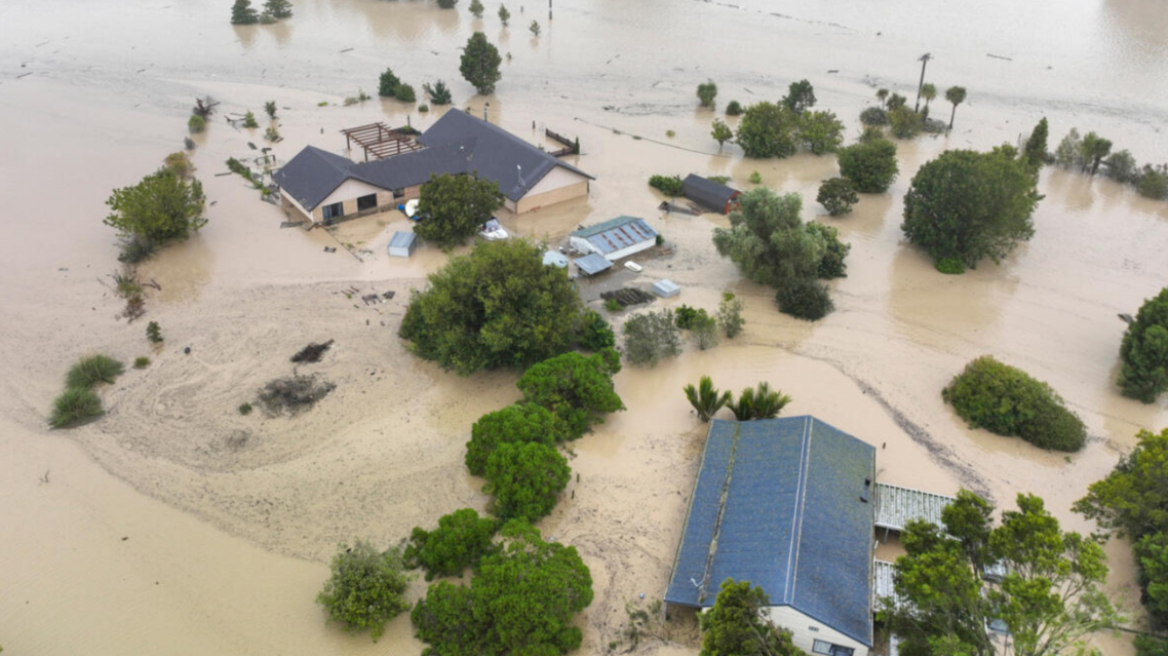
(549, 9)
(924, 62)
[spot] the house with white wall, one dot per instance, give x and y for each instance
(614, 239)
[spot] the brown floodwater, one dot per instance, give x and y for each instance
(229, 521)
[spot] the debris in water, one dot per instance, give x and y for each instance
(293, 394)
(347, 50)
(627, 296)
(312, 352)
(999, 57)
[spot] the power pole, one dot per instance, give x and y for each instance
(549, 9)
(924, 62)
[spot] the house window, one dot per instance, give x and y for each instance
(366, 202)
(828, 649)
(334, 211)
(398, 193)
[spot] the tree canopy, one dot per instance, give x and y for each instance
(577, 389)
(461, 539)
(367, 588)
(767, 130)
(707, 91)
(162, 207)
(738, 625)
(820, 132)
(498, 306)
(519, 423)
(800, 97)
(651, 337)
(970, 206)
(870, 165)
(526, 479)
(1035, 151)
(480, 63)
(837, 195)
(387, 84)
(1050, 597)
(453, 207)
(1144, 351)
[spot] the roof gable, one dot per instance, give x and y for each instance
(312, 175)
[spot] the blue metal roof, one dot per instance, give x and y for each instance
(616, 234)
(402, 240)
(778, 503)
(592, 263)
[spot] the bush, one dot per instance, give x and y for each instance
(366, 589)
(271, 134)
(476, 8)
(595, 333)
(245, 408)
(768, 130)
(759, 402)
(73, 406)
(613, 305)
(950, 266)
(733, 108)
(519, 424)
(1144, 352)
(461, 539)
(1007, 401)
(439, 94)
(404, 93)
(805, 298)
(905, 123)
(668, 185)
(705, 331)
(874, 116)
(730, 315)
(141, 362)
(651, 337)
(480, 61)
(707, 91)
(387, 84)
(249, 120)
(179, 163)
(270, 109)
(154, 332)
(160, 208)
(447, 4)
(525, 479)
(820, 132)
(196, 124)
(1153, 182)
(90, 371)
(831, 264)
(686, 316)
(800, 97)
(423, 108)
(837, 195)
(242, 13)
(871, 166)
(453, 207)
(755, 177)
(577, 389)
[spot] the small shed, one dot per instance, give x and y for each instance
(592, 264)
(403, 244)
(666, 288)
(712, 195)
(554, 259)
(615, 238)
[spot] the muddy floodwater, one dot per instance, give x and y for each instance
(174, 525)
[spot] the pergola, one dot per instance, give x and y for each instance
(380, 140)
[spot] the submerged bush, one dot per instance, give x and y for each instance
(141, 362)
(196, 124)
(874, 116)
(366, 589)
(461, 539)
(950, 265)
(805, 298)
(90, 371)
(733, 108)
(837, 195)
(650, 337)
(73, 406)
(1007, 401)
(668, 185)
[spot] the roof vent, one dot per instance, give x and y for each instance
(867, 490)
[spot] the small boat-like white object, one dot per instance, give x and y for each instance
(633, 266)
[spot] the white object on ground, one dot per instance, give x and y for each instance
(411, 207)
(633, 266)
(492, 231)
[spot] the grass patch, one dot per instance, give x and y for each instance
(93, 370)
(142, 362)
(245, 409)
(74, 406)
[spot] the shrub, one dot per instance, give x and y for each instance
(1007, 401)
(705, 398)
(525, 479)
(1144, 352)
(767, 130)
(461, 539)
(755, 177)
(874, 116)
(387, 84)
(950, 266)
(670, 133)
(651, 337)
(160, 208)
(759, 402)
(519, 424)
(705, 331)
(278, 8)
(245, 408)
(1153, 182)
(730, 315)
(249, 120)
(196, 124)
(871, 166)
(404, 93)
(270, 109)
(73, 406)
(905, 123)
(439, 94)
(476, 8)
(141, 362)
(179, 163)
(366, 588)
(595, 333)
(668, 185)
(613, 305)
(154, 332)
(454, 206)
(686, 316)
(577, 389)
(733, 108)
(837, 195)
(271, 134)
(800, 97)
(534, 27)
(707, 91)
(90, 371)
(423, 108)
(805, 298)
(820, 132)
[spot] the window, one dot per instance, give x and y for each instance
(828, 649)
(398, 193)
(366, 202)
(330, 212)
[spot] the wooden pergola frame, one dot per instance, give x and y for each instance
(380, 140)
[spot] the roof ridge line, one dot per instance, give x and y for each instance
(797, 521)
(702, 589)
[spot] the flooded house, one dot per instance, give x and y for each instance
(324, 188)
(614, 239)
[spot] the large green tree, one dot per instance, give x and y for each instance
(1050, 598)
(461, 539)
(499, 306)
(768, 241)
(526, 479)
(162, 207)
(576, 388)
(480, 63)
(367, 588)
(519, 423)
(1035, 150)
(768, 130)
(738, 625)
(969, 206)
(820, 132)
(453, 207)
(800, 97)
(1144, 351)
(870, 165)
(522, 601)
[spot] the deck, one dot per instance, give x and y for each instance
(896, 506)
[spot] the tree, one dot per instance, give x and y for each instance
(476, 8)
(928, 92)
(453, 207)
(837, 195)
(800, 97)
(668, 185)
(1035, 151)
(905, 123)
(955, 95)
(405, 93)
(870, 165)
(1122, 167)
(707, 91)
(162, 207)
(767, 130)
(1152, 554)
(499, 306)
(882, 96)
(730, 315)
(577, 389)
(705, 331)
(461, 539)
(504, 15)
(1153, 182)
(242, 13)
(439, 93)
(523, 600)
(733, 108)
(832, 264)
(805, 298)
(895, 102)
(738, 625)
(872, 117)
(1068, 153)
(820, 132)
(388, 83)
(968, 206)
(1092, 150)
(519, 424)
(651, 337)
(1144, 351)
(534, 27)
(480, 63)
(278, 8)
(447, 4)
(1007, 401)
(595, 333)
(367, 588)
(1050, 598)
(721, 133)
(526, 479)
(270, 109)
(705, 398)
(760, 402)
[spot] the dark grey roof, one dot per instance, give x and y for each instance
(778, 503)
(592, 263)
(414, 168)
(494, 152)
(616, 234)
(706, 192)
(312, 175)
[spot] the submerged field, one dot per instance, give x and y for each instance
(174, 525)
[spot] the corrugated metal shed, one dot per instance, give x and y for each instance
(617, 234)
(896, 506)
(778, 503)
(592, 264)
(403, 244)
(709, 194)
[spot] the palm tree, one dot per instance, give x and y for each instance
(928, 92)
(744, 409)
(882, 95)
(705, 399)
(768, 404)
(955, 95)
